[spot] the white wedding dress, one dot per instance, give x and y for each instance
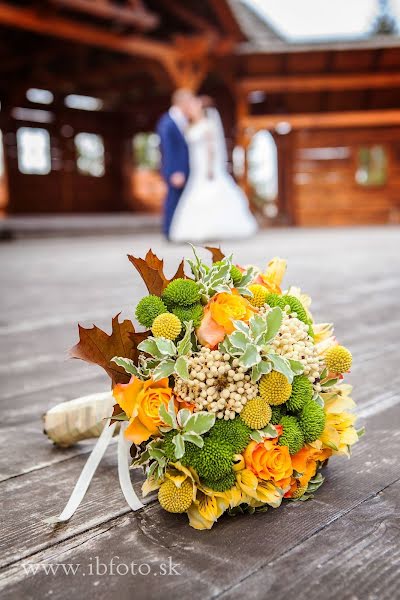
(212, 205)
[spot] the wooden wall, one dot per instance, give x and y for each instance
(325, 191)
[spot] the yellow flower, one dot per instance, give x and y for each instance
(141, 400)
(272, 278)
(339, 433)
(258, 490)
(323, 332)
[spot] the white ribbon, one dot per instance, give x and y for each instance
(90, 468)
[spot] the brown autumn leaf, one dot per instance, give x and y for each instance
(217, 254)
(98, 347)
(151, 270)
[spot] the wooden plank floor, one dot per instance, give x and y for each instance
(342, 545)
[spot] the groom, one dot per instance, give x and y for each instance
(174, 151)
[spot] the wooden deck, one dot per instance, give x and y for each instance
(343, 545)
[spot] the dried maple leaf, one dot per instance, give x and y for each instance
(151, 270)
(217, 254)
(98, 347)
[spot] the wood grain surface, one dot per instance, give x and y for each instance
(342, 545)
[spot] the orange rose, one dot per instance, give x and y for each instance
(269, 461)
(141, 400)
(305, 462)
(219, 313)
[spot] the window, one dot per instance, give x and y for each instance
(262, 163)
(39, 96)
(83, 102)
(372, 166)
(146, 150)
(33, 151)
(90, 154)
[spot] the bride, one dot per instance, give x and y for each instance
(212, 206)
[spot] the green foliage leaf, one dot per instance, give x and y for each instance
(128, 365)
(262, 368)
(150, 347)
(179, 444)
(241, 326)
(181, 368)
(329, 383)
(274, 321)
(256, 436)
(258, 326)
(194, 438)
(185, 344)
(183, 416)
(238, 339)
(165, 347)
(250, 357)
(269, 431)
(296, 366)
(120, 417)
(164, 369)
(200, 423)
(281, 365)
(317, 398)
(360, 432)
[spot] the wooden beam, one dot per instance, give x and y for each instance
(138, 17)
(348, 119)
(59, 27)
(226, 18)
(316, 83)
(177, 8)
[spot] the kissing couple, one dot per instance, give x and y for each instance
(203, 202)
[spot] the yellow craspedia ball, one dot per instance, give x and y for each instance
(338, 359)
(256, 413)
(166, 325)
(274, 388)
(174, 499)
(299, 492)
(259, 296)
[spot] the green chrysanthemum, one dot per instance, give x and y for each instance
(213, 461)
(169, 449)
(181, 292)
(275, 300)
(221, 485)
(236, 275)
(311, 421)
(190, 313)
(277, 413)
(297, 307)
(234, 432)
(302, 392)
(292, 435)
(174, 499)
(256, 413)
(148, 309)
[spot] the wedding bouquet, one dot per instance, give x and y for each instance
(232, 396)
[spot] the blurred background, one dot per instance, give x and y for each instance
(309, 92)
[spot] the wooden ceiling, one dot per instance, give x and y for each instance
(110, 48)
(131, 52)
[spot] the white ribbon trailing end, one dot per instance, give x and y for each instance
(90, 468)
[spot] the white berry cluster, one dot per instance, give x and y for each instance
(217, 384)
(292, 341)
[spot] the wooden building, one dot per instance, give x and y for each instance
(80, 78)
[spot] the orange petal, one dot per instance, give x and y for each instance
(136, 432)
(209, 333)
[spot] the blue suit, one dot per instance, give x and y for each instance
(175, 158)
